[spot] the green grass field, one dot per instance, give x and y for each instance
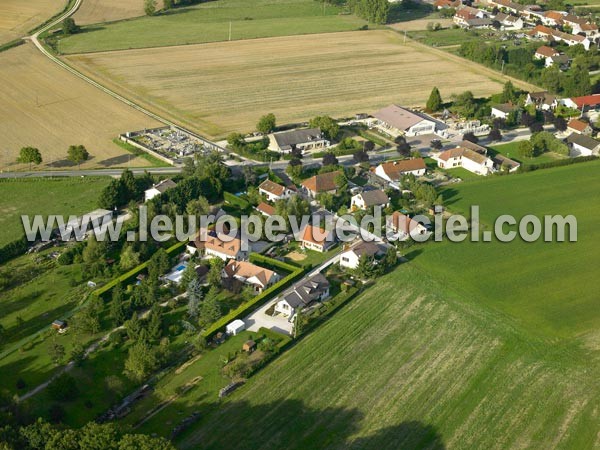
(512, 151)
(549, 288)
(410, 364)
(210, 22)
(45, 196)
(465, 346)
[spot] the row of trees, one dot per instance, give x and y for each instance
(42, 435)
(32, 155)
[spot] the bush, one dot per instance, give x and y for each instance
(63, 388)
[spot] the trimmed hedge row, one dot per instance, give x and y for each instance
(559, 163)
(127, 276)
(245, 308)
(13, 249)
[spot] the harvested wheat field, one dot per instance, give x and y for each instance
(221, 87)
(17, 17)
(96, 11)
(46, 107)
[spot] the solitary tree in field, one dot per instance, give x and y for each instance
(266, 124)
(435, 100)
(30, 155)
(150, 7)
(77, 154)
(69, 26)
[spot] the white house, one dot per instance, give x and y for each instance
(274, 191)
(305, 140)
(394, 170)
(503, 111)
(305, 293)
(350, 258)
(368, 199)
(401, 226)
(509, 22)
(396, 121)
(543, 101)
(219, 245)
(579, 127)
(249, 274)
(501, 162)
(544, 52)
(467, 159)
(317, 239)
(158, 189)
(582, 145)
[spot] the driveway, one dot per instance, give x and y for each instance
(259, 319)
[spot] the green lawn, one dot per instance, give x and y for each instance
(210, 22)
(512, 151)
(549, 288)
(63, 196)
(463, 174)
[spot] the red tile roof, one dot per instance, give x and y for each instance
(323, 182)
(265, 208)
(546, 51)
(315, 235)
(395, 169)
(578, 125)
(587, 100)
(272, 187)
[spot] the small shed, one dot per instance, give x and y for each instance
(249, 346)
(235, 327)
(59, 325)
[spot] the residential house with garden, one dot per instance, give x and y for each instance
(369, 199)
(467, 159)
(265, 209)
(504, 110)
(316, 238)
(158, 189)
(275, 191)
(211, 243)
(248, 274)
(393, 171)
(350, 257)
(303, 140)
(582, 145)
(543, 101)
(321, 183)
(580, 127)
(400, 226)
(304, 294)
